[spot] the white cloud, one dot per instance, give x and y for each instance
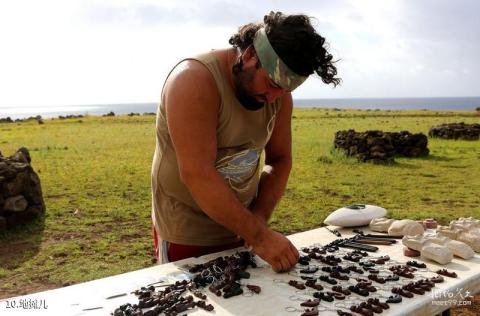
(90, 52)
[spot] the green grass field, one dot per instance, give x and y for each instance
(95, 175)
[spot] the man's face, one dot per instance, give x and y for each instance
(253, 86)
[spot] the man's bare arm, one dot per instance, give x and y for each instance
(278, 163)
(192, 102)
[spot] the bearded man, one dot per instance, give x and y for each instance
(218, 112)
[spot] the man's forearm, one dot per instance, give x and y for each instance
(273, 182)
(218, 201)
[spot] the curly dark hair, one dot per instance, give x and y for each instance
(295, 41)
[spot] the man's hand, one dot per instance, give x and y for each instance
(277, 250)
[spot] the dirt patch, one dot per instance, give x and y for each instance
(127, 237)
(16, 253)
(28, 288)
(468, 310)
(329, 192)
(64, 237)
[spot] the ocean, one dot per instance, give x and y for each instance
(436, 104)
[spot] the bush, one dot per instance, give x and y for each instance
(324, 159)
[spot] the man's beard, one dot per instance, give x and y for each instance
(241, 78)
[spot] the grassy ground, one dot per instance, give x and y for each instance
(95, 175)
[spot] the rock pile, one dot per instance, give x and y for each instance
(71, 116)
(379, 147)
(8, 119)
(20, 191)
(456, 131)
(407, 144)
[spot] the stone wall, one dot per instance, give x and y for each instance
(20, 191)
(456, 131)
(380, 147)
(407, 144)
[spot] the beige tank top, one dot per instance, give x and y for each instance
(241, 138)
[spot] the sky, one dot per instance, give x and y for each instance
(102, 52)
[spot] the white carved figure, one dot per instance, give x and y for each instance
(446, 231)
(459, 248)
(405, 227)
(466, 230)
(381, 224)
(466, 223)
(470, 238)
(437, 253)
(414, 242)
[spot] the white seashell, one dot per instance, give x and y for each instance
(355, 215)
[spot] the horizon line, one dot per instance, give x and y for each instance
(155, 102)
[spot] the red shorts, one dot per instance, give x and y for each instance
(178, 252)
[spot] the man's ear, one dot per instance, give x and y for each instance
(249, 56)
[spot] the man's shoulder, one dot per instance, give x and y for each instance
(192, 77)
(191, 81)
(201, 68)
(191, 70)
